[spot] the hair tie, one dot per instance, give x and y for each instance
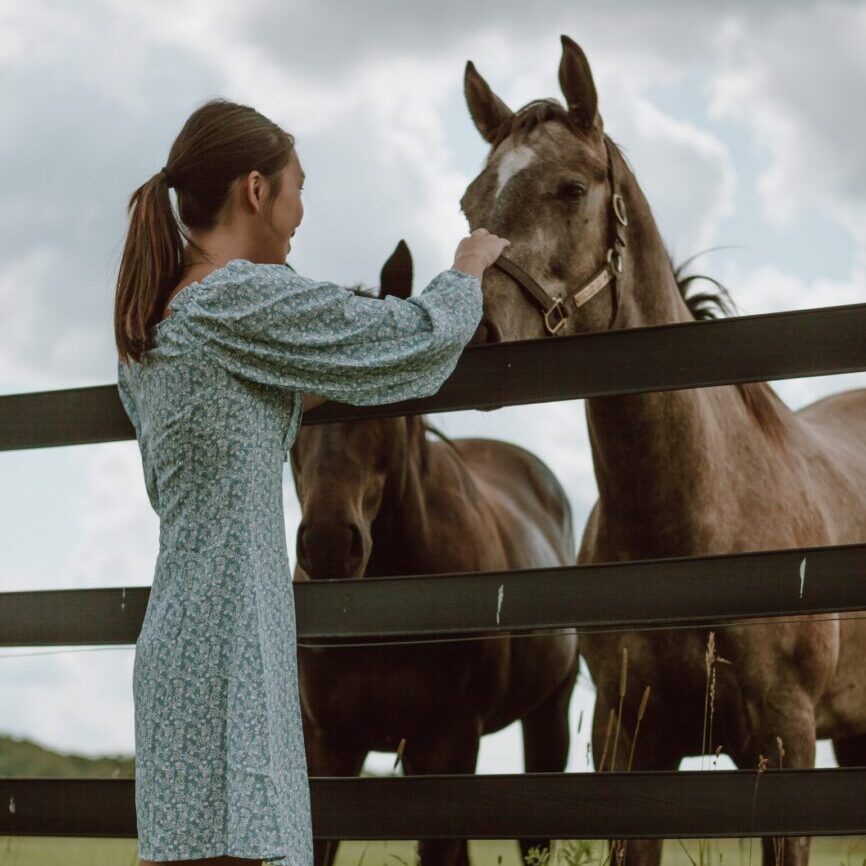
(168, 177)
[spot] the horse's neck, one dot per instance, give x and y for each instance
(402, 525)
(649, 294)
(412, 532)
(658, 455)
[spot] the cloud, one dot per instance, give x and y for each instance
(116, 530)
(74, 700)
(30, 267)
(89, 112)
(795, 81)
(769, 289)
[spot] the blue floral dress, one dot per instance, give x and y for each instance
(216, 404)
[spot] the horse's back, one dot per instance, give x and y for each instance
(844, 412)
(837, 427)
(837, 423)
(526, 497)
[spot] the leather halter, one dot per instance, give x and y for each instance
(553, 308)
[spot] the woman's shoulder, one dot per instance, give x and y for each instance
(251, 296)
(235, 289)
(241, 281)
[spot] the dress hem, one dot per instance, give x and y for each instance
(217, 851)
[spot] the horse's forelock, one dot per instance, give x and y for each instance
(532, 115)
(539, 114)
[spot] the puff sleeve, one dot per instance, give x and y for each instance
(270, 325)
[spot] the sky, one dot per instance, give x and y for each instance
(739, 119)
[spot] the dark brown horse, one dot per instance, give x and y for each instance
(378, 499)
(680, 473)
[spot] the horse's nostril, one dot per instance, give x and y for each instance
(356, 548)
(301, 548)
(330, 550)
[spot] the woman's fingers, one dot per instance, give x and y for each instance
(479, 250)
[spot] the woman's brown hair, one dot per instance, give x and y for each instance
(220, 141)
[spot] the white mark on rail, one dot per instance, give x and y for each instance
(11, 805)
(802, 576)
(500, 596)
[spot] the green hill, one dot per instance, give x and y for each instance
(25, 758)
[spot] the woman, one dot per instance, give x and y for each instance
(221, 346)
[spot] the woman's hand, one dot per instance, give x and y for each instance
(478, 251)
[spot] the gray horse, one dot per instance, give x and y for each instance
(680, 473)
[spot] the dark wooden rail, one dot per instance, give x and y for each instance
(548, 805)
(665, 357)
(698, 591)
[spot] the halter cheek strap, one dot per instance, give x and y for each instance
(553, 308)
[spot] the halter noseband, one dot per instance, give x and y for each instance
(552, 307)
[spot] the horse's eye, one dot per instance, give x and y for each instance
(571, 190)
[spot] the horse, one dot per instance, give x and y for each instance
(379, 498)
(680, 473)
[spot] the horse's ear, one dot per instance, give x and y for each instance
(487, 110)
(575, 79)
(396, 274)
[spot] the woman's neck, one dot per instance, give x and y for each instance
(215, 248)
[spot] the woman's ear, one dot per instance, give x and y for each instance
(254, 189)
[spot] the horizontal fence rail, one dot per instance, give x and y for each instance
(668, 805)
(764, 347)
(683, 592)
(653, 593)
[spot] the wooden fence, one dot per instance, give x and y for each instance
(667, 593)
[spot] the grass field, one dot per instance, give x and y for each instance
(73, 851)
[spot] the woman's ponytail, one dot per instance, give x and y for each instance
(152, 264)
(220, 141)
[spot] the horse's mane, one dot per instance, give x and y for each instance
(429, 428)
(761, 400)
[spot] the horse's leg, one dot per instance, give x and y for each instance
(327, 756)
(784, 715)
(654, 749)
(850, 751)
(546, 739)
(454, 751)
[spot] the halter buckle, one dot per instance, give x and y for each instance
(556, 309)
(614, 259)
